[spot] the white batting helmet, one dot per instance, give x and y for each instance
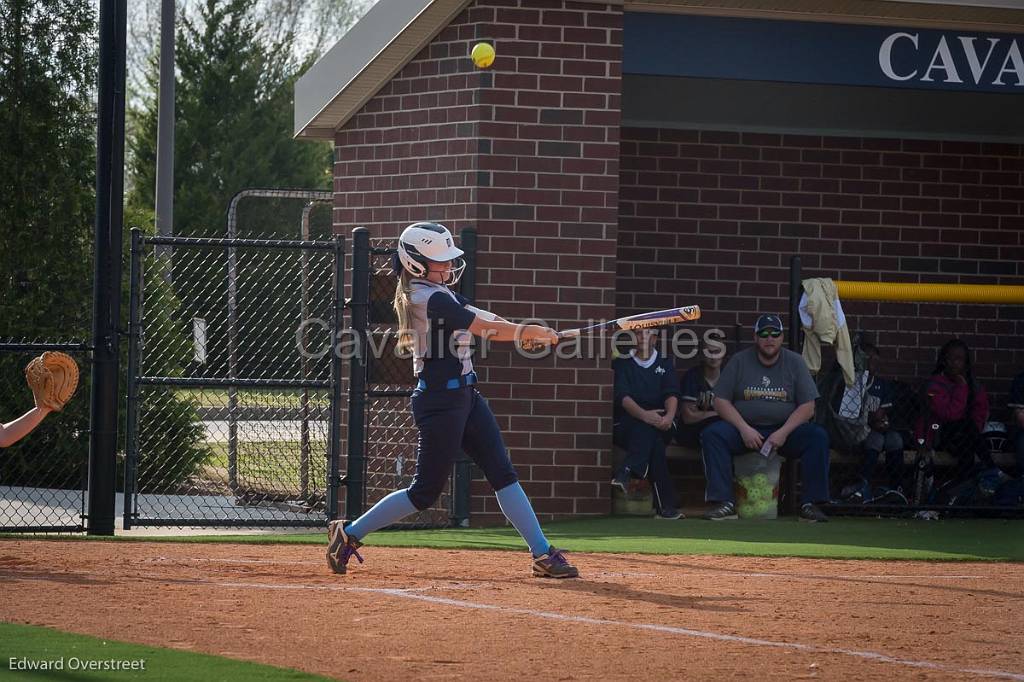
(421, 243)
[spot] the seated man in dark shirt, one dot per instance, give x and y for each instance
(646, 398)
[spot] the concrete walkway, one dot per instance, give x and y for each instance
(23, 507)
(255, 431)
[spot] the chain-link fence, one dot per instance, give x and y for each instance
(381, 455)
(932, 444)
(43, 476)
(912, 427)
(390, 431)
(230, 381)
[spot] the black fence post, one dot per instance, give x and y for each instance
(355, 491)
(107, 274)
(232, 303)
(795, 289)
(789, 495)
(334, 429)
(131, 444)
(463, 465)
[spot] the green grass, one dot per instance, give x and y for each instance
(272, 465)
(980, 539)
(950, 540)
(43, 644)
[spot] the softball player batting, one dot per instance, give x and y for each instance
(435, 324)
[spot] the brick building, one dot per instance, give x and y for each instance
(621, 157)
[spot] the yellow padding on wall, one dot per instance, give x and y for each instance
(941, 293)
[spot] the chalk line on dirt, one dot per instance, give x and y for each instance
(738, 574)
(406, 593)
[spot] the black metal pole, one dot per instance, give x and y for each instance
(131, 442)
(232, 273)
(106, 279)
(334, 428)
(795, 289)
(165, 133)
(463, 465)
(355, 492)
(789, 501)
(304, 360)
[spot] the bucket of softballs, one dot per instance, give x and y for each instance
(756, 482)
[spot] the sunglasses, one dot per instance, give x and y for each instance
(773, 333)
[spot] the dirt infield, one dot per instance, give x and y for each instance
(437, 614)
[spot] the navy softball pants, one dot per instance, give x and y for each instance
(645, 458)
(450, 421)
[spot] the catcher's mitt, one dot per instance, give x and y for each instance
(53, 378)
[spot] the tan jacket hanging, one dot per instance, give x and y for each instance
(820, 303)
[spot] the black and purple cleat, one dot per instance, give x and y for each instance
(554, 565)
(341, 547)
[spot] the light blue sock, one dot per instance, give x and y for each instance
(392, 508)
(517, 509)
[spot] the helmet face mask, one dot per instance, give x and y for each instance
(995, 435)
(455, 274)
(425, 243)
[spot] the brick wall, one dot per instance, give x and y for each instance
(528, 153)
(713, 217)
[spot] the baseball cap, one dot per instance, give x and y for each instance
(768, 321)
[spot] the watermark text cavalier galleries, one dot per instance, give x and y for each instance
(75, 663)
(313, 340)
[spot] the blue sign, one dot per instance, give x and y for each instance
(812, 52)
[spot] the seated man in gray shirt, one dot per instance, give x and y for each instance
(765, 397)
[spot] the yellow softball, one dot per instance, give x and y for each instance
(483, 55)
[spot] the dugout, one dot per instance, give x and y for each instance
(620, 157)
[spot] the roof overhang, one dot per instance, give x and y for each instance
(367, 56)
(376, 48)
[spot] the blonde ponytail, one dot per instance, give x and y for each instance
(406, 338)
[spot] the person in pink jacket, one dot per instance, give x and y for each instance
(956, 408)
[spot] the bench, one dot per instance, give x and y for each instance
(688, 472)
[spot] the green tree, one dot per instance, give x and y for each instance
(47, 170)
(47, 132)
(48, 65)
(233, 120)
(318, 24)
(233, 131)
(233, 111)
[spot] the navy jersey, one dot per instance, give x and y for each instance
(694, 384)
(880, 390)
(648, 382)
(440, 320)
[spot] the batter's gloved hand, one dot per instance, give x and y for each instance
(53, 378)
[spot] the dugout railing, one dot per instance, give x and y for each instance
(895, 449)
(381, 434)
